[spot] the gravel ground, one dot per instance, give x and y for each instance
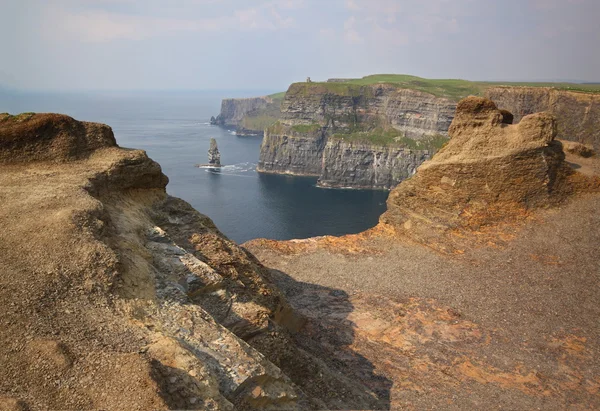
(534, 301)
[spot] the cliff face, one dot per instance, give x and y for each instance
(577, 114)
(233, 110)
(342, 108)
(319, 125)
(105, 275)
(408, 118)
(359, 165)
(291, 152)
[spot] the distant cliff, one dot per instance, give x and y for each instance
(373, 132)
(361, 136)
(248, 115)
(578, 114)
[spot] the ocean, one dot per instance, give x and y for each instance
(174, 129)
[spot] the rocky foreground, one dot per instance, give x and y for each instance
(478, 289)
(116, 296)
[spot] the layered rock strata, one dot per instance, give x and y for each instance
(487, 169)
(368, 166)
(117, 296)
(313, 135)
(577, 114)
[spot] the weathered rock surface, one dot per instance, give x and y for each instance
(311, 113)
(290, 152)
(486, 169)
(214, 157)
(414, 113)
(50, 137)
(360, 165)
(117, 296)
(577, 114)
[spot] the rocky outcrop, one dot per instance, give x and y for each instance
(315, 133)
(105, 275)
(487, 169)
(50, 137)
(577, 113)
(214, 157)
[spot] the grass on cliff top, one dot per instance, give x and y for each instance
(277, 96)
(16, 117)
(393, 138)
(454, 89)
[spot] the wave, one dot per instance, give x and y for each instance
(236, 170)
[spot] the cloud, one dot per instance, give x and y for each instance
(351, 5)
(350, 33)
(99, 25)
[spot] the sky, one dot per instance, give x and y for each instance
(72, 45)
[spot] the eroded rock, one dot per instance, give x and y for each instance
(488, 170)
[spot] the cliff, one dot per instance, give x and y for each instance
(354, 136)
(577, 114)
(407, 115)
(117, 296)
(248, 115)
(362, 165)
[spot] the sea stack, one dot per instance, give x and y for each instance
(214, 157)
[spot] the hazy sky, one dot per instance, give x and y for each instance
(267, 44)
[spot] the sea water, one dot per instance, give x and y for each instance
(174, 129)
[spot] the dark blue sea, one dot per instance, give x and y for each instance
(174, 129)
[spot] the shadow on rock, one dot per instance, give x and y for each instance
(324, 362)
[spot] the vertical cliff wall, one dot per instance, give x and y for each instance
(360, 165)
(577, 114)
(287, 152)
(357, 136)
(345, 107)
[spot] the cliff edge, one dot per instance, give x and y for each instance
(117, 296)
